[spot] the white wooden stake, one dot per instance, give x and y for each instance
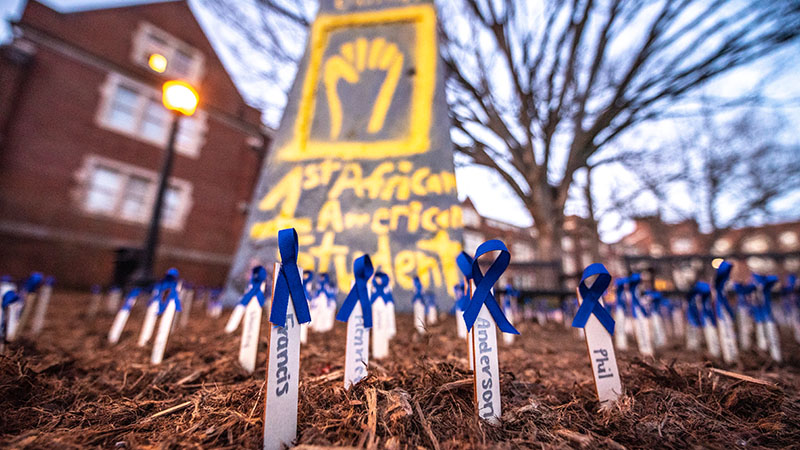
(678, 322)
(419, 317)
(357, 350)
(380, 332)
(508, 338)
(149, 324)
(712, 339)
(45, 293)
(774, 340)
(235, 318)
(659, 333)
(620, 337)
(486, 367)
(283, 379)
(603, 360)
(727, 337)
(643, 337)
(13, 313)
(391, 318)
(251, 331)
(164, 327)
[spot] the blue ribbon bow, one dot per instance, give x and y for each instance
(704, 291)
(362, 270)
(720, 278)
(171, 287)
(418, 297)
(257, 278)
(484, 284)
(591, 298)
(766, 282)
(326, 287)
(636, 305)
(380, 284)
(308, 284)
(693, 312)
(464, 263)
(10, 297)
(33, 282)
(289, 282)
(130, 300)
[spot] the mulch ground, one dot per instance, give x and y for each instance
(71, 389)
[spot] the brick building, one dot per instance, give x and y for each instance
(680, 253)
(82, 137)
(527, 271)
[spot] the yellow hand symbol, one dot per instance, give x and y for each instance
(353, 59)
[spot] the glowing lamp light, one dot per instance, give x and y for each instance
(180, 96)
(716, 262)
(157, 62)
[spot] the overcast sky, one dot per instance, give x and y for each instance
(491, 197)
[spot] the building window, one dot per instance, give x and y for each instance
(722, 246)
(756, 244)
(471, 217)
(788, 240)
(183, 61)
(682, 246)
(521, 252)
(472, 241)
(125, 192)
(135, 110)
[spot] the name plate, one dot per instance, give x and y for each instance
(774, 340)
(357, 351)
(283, 380)
(712, 339)
(380, 329)
(251, 331)
(235, 319)
(164, 327)
(419, 317)
(486, 367)
(727, 338)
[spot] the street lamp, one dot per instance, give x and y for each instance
(180, 98)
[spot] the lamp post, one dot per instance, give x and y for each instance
(181, 99)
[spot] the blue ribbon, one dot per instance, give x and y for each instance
(289, 282)
(362, 270)
(620, 288)
(464, 263)
(591, 298)
(130, 300)
(462, 297)
(308, 283)
(257, 277)
(418, 297)
(171, 287)
(766, 282)
(327, 287)
(484, 284)
(33, 282)
(636, 305)
(380, 284)
(720, 278)
(510, 292)
(10, 297)
(695, 317)
(657, 300)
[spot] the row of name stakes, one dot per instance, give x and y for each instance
(475, 302)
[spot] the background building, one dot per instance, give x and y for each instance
(82, 137)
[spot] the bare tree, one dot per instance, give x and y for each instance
(537, 88)
(721, 173)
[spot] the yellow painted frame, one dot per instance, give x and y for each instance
(417, 141)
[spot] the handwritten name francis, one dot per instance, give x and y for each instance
(359, 344)
(282, 368)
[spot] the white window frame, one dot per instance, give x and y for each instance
(107, 91)
(140, 52)
(92, 162)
